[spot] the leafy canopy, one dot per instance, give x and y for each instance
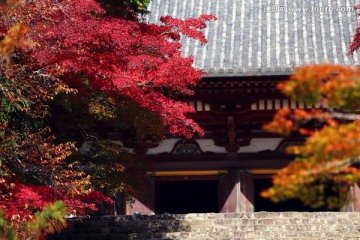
(105, 56)
(326, 165)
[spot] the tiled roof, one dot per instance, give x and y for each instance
(246, 40)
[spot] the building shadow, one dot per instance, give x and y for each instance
(136, 227)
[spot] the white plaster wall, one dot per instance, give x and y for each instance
(208, 145)
(164, 147)
(261, 144)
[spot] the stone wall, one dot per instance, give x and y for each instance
(245, 226)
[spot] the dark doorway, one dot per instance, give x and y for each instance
(263, 204)
(189, 196)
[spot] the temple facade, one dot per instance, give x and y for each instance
(252, 46)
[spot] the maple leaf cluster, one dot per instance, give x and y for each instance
(326, 165)
(355, 44)
(83, 45)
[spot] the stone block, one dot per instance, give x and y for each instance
(236, 215)
(265, 222)
(225, 222)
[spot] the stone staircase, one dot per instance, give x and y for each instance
(245, 226)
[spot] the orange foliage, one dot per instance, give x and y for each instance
(326, 164)
(13, 39)
(331, 84)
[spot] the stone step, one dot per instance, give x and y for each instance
(249, 226)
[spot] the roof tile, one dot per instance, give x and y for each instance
(247, 39)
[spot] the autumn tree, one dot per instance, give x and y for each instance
(33, 167)
(59, 56)
(327, 164)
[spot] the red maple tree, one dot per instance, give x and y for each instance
(59, 46)
(83, 44)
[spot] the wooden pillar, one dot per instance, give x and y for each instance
(145, 202)
(236, 192)
(354, 198)
(246, 192)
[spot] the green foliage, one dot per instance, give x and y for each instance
(12, 105)
(49, 220)
(114, 168)
(6, 230)
(140, 5)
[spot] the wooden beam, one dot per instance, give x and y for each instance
(263, 171)
(186, 173)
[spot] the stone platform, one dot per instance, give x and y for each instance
(228, 226)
